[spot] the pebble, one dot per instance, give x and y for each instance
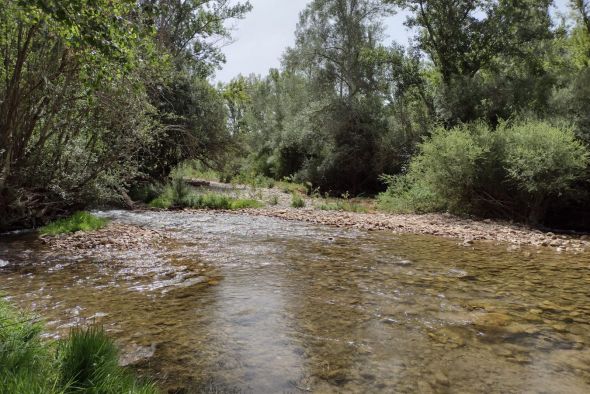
(468, 231)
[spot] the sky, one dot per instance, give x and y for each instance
(262, 36)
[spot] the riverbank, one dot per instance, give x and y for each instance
(114, 236)
(467, 231)
(118, 236)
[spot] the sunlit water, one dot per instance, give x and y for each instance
(251, 304)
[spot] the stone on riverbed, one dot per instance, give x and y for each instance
(136, 354)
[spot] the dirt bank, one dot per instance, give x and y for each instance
(466, 230)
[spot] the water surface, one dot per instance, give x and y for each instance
(234, 303)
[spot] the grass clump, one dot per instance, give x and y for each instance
(218, 201)
(170, 199)
(274, 200)
(297, 201)
(79, 221)
(342, 205)
(87, 361)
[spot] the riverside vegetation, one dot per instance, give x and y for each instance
(484, 114)
(109, 102)
(86, 361)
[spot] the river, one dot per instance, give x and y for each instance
(234, 303)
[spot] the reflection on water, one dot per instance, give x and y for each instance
(252, 304)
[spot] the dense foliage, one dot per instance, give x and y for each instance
(97, 95)
(485, 112)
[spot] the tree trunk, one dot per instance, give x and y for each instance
(537, 211)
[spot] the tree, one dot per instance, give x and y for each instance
(485, 52)
(68, 70)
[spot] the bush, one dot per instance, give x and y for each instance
(297, 201)
(22, 354)
(445, 173)
(145, 192)
(541, 161)
(162, 202)
(472, 169)
(79, 221)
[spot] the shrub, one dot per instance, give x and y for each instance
(542, 161)
(472, 169)
(22, 354)
(179, 190)
(162, 202)
(145, 192)
(79, 221)
(274, 200)
(444, 174)
(409, 195)
(245, 203)
(297, 201)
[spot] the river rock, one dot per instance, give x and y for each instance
(137, 354)
(492, 320)
(4, 263)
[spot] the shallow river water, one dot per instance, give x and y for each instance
(233, 303)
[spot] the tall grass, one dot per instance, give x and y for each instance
(79, 221)
(218, 201)
(85, 362)
(342, 205)
(204, 201)
(297, 201)
(178, 194)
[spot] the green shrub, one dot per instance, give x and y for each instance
(516, 168)
(290, 187)
(145, 192)
(162, 202)
(245, 203)
(444, 174)
(196, 170)
(22, 354)
(406, 195)
(297, 201)
(79, 221)
(88, 357)
(180, 190)
(542, 161)
(175, 193)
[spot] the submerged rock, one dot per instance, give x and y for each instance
(136, 354)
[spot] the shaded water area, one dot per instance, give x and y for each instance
(252, 304)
